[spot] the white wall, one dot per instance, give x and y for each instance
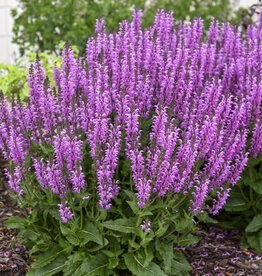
(246, 3)
(7, 49)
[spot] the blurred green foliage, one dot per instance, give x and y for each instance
(13, 78)
(43, 24)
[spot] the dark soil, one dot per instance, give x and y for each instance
(218, 253)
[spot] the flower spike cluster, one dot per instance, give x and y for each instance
(186, 106)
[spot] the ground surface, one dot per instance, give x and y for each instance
(218, 253)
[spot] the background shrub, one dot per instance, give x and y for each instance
(13, 77)
(44, 24)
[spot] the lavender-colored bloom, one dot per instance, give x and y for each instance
(201, 93)
(65, 212)
(146, 225)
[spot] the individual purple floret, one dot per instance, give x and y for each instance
(65, 212)
(146, 225)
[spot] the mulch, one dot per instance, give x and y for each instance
(14, 257)
(219, 252)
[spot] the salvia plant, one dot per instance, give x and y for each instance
(147, 132)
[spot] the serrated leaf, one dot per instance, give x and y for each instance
(146, 213)
(204, 217)
(149, 255)
(121, 225)
(167, 253)
(28, 161)
(70, 235)
(73, 262)
(256, 185)
(133, 206)
(47, 257)
(113, 262)
(186, 240)
(93, 268)
(31, 235)
(133, 244)
(16, 222)
(161, 230)
(98, 247)
(255, 241)
(73, 239)
(180, 262)
(108, 253)
(184, 225)
(52, 268)
(130, 194)
(138, 269)
(90, 233)
(259, 205)
(40, 246)
(255, 224)
(236, 203)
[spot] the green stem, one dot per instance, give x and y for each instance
(180, 201)
(134, 235)
(251, 195)
(81, 214)
(252, 200)
(243, 194)
(131, 186)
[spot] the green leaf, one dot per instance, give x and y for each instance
(161, 230)
(98, 267)
(30, 235)
(133, 244)
(121, 225)
(97, 246)
(146, 213)
(188, 239)
(47, 257)
(204, 217)
(16, 222)
(255, 241)
(149, 254)
(52, 268)
(179, 263)
(40, 246)
(90, 233)
(113, 262)
(28, 161)
(236, 203)
(259, 205)
(184, 225)
(138, 269)
(257, 186)
(255, 224)
(130, 194)
(65, 245)
(72, 237)
(133, 206)
(167, 253)
(73, 262)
